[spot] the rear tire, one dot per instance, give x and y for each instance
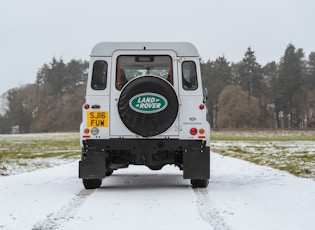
(199, 183)
(92, 183)
(156, 167)
(109, 172)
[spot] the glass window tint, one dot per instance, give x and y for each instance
(189, 75)
(99, 75)
(129, 67)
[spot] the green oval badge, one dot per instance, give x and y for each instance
(148, 103)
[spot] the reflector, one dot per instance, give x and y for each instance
(94, 131)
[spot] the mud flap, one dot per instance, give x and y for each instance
(196, 164)
(93, 166)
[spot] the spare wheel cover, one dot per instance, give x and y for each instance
(148, 106)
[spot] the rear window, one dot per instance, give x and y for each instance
(132, 66)
(189, 75)
(99, 75)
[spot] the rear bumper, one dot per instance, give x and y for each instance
(158, 144)
(192, 155)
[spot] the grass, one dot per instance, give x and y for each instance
(271, 135)
(27, 152)
(293, 152)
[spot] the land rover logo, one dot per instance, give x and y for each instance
(148, 103)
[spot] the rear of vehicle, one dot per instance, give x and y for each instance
(144, 106)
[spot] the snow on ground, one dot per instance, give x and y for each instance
(297, 157)
(247, 196)
(240, 196)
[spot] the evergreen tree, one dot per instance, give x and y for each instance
(311, 71)
(59, 78)
(250, 75)
(270, 73)
(288, 83)
(53, 77)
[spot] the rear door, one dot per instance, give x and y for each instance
(129, 65)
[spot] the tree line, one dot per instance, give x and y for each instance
(249, 95)
(53, 103)
(241, 95)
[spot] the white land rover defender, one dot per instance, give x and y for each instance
(144, 106)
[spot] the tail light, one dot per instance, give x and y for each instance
(193, 131)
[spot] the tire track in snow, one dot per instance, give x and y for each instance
(209, 214)
(56, 219)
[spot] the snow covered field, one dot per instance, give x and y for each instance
(296, 157)
(240, 195)
(28, 152)
(291, 151)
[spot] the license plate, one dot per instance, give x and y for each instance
(97, 119)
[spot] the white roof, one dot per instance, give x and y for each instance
(182, 49)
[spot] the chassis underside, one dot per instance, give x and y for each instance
(102, 156)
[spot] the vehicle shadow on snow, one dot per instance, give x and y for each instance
(145, 181)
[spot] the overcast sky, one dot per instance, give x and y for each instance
(32, 32)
